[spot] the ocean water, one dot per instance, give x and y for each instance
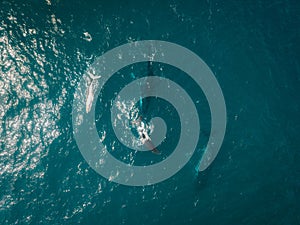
(251, 47)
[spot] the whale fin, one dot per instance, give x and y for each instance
(149, 145)
(94, 77)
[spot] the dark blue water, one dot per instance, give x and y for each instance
(252, 48)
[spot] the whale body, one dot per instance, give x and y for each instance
(90, 92)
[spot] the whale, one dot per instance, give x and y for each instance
(144, 137)
(146, 89)
(92, 79)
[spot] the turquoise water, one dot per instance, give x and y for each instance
(252, 48)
